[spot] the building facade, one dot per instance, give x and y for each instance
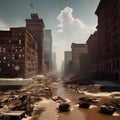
(18, 53)
(36, 27)
(54, 64)
(67, 60)
(108, 12)
(93, 55)
(83, 66)
(48, 49)
(77, 49)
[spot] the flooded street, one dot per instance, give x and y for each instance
(60, 60)
(47, 108)
(60, 89)
(76, 113)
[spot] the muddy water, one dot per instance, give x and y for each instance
(61, 90)
(79, 113)
(74, 113)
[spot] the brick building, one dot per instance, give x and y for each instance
(36, 27)
(108, 12)
(93, 55)
(18, 53)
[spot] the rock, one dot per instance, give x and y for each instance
(55, 98)
(64, 107)
(83, 104)
(88, 100)
(107, 109)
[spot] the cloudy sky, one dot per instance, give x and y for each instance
(70, 20)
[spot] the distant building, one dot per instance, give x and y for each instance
(48, 49)
(109, 38)
(77, 49)
(18, 53)
(62, 68)
(67, 59)
(54, 64)
(84, 65)
(36, 27)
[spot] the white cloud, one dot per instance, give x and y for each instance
(3, 25)
(70, 29)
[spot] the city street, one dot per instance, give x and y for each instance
(71, 96)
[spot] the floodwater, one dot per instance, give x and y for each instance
(61, 90)
(74, 113)
(78, 113)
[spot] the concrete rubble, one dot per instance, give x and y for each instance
(26, 98)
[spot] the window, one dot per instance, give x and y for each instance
(20, 33)
(8, 64)
(20, 56)
(16, 50)
(21, 50)
(19, 42)
(9, 41)
(13, 56)
(4, 58)
(4, 49)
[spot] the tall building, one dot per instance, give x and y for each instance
(108, 12)
(36, 27)
(48, 49)
(67, 60)
(18, 53)
(77, 49)
(83, 66)
(54, 64)
(93, 55)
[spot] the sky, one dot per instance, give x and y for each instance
(71, 21)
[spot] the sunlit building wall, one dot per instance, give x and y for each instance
(35, 26)
(18, 54)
